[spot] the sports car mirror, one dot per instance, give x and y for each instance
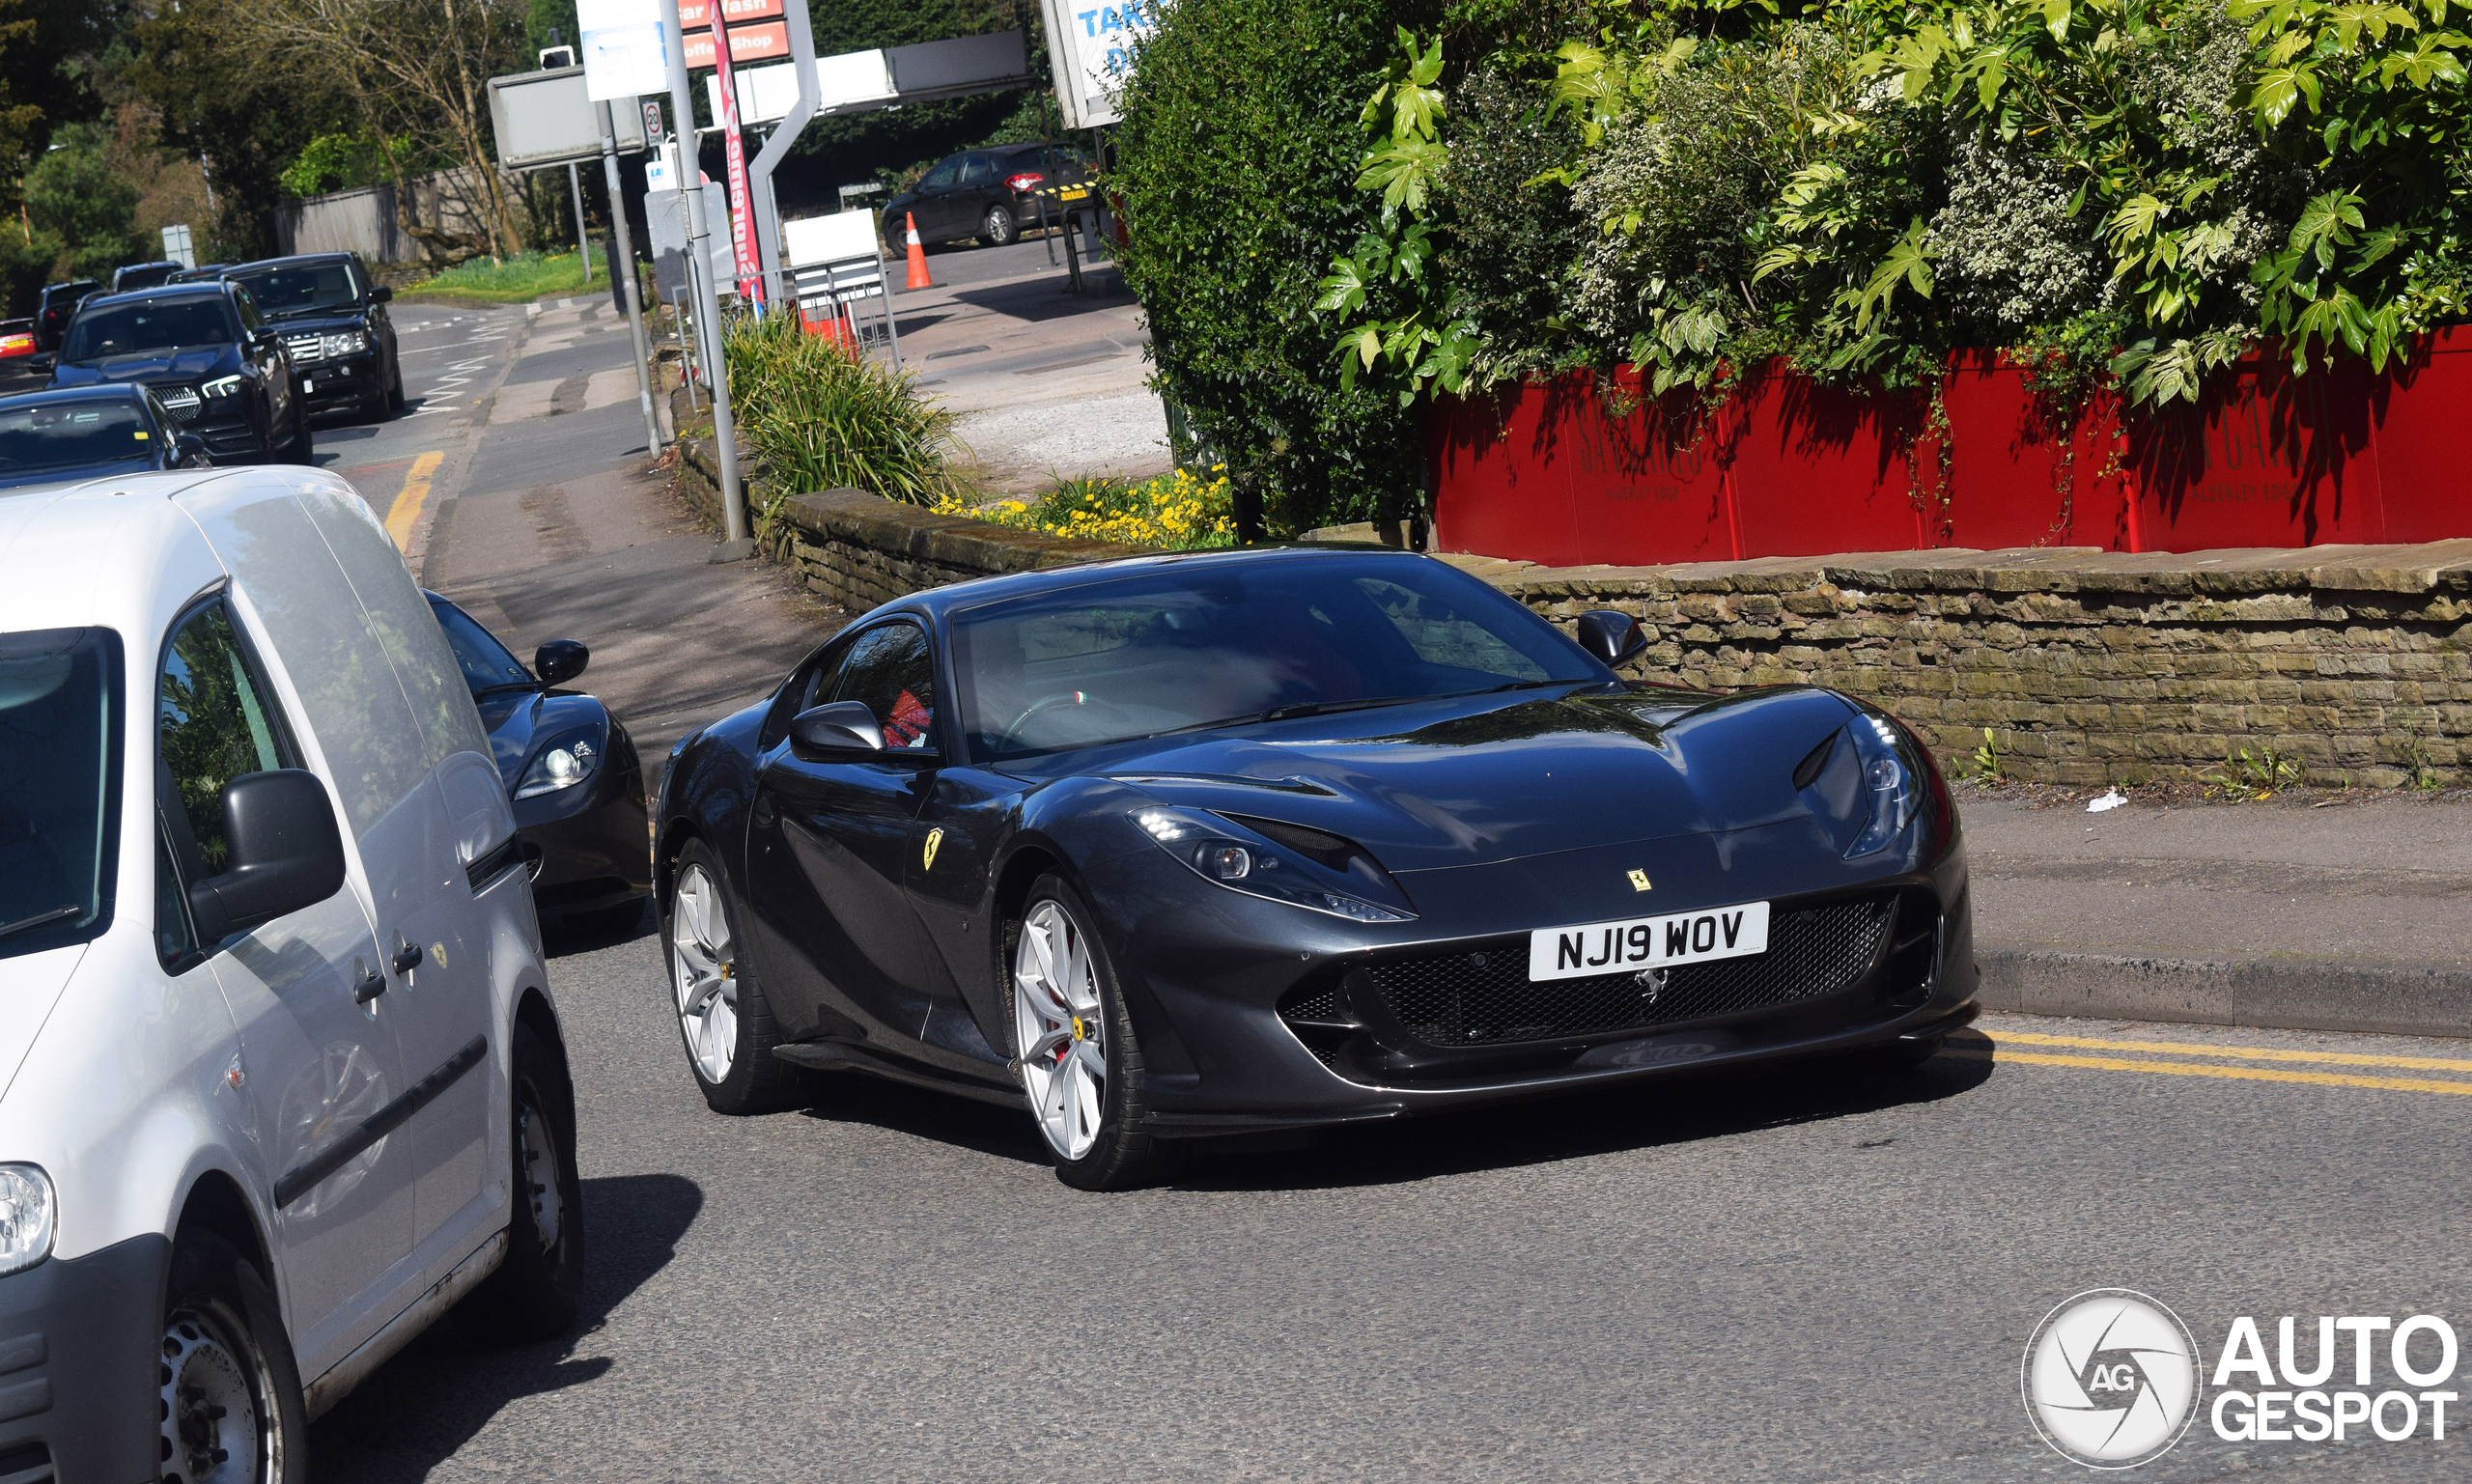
(843, 731)
(560, 660)
(1612, 637)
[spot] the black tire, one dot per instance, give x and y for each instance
(303, 448)
(757, 1082)
(395, 387)
(1120, 1158)
(534, 1293)
(229, 1380)
(998, 229)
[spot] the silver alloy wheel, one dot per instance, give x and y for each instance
(1059, 1029)
(211, 1402)
(700, 940)
(539, 1145)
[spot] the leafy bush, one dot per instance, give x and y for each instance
(1180, 512)
(1240, 136)
(816, 417)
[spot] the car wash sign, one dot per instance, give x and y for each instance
(1091, 48)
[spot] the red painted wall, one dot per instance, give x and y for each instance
(1554, 472)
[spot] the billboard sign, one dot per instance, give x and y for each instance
(547, 118)
(1091, 48)
(624, 50)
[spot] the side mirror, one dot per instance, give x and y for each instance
(286, 854)
(838, 732)
(190, 451)
(43, 363)
(380, 294)
(1611, 637)
(560, 660)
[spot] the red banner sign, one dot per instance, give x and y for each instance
(697, 15)
(765, 42)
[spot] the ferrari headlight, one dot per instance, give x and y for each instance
(1227, 855)
(570, 758)
(222, 386)
(344, 342)
(26, 1222)
(1889, 782)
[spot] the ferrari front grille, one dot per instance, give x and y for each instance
(1486, 998)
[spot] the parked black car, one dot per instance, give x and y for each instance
(89, 432)
(569, 768)
(985, 194)
(59, 301)
(335, 321)
(205, 351)
(130, 277)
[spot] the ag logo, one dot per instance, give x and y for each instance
(2111, 1378)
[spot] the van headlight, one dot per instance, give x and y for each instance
(571, 758)
(221, 386)
(26, 1222)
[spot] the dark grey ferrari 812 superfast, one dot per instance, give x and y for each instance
(1196, 845)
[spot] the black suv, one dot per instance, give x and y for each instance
(985, 194)
(335, 321)
(209, 357)
(59, 301)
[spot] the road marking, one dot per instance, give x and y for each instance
(1993, 1052)
(2242, 1053)
(405, 512)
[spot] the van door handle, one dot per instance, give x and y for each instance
(369, 986)
(407, 956)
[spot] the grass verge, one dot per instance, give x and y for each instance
(516, 280)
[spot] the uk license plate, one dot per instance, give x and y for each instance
(1649, 942)
(1076, 193)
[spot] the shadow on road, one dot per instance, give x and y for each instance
(855, 1097)
(423, 1405)
(1677, 1110)
(591, 932)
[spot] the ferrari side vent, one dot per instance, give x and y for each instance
(1810, 768)
(1461, 999)
(1315, 1016)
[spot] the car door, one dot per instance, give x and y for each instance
(934, 208)
(828, 843)
(415, 856)
(317, 1060)
(974, 189)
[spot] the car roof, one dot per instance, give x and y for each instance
(101, 391)
(297, 259)
(940, 601)
(205, 289)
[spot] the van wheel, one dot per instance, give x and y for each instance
(534, 1294)
(722, 1017)
(231, 1410)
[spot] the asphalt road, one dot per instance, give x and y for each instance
(1789, 1273)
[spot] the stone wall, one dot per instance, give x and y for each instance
(2089, 666)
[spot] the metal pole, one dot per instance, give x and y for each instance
(708, 303)
(776, 147)
(584, 242)
(884, 287)
(634, 281)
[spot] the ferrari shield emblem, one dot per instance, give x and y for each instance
(1638, 878)
(927, 858)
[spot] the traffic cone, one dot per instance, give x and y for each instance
(918, 278)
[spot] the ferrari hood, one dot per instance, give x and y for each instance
(1477, 780)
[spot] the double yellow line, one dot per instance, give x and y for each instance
(2224, 1061)
(406, 512)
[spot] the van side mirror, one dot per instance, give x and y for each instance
(1611, 638)
(838, 732)
(560, 660)
(286, 854)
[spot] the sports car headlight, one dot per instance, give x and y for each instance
(222, 386)
(344, 342)
(1227, 855)
(26, 1220)
(1889, 782)
(570, 758)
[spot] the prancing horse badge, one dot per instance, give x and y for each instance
(935, 837)
(1638, 878)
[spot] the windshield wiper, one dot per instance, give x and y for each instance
(38, 919)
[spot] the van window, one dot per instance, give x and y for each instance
(406, 629)
(59, 785)
(214, 723)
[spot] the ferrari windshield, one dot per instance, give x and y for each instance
(1186, 647)
(58, 692)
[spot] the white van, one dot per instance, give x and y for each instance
(276, 1042)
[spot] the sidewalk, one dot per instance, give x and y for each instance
(2328, 912)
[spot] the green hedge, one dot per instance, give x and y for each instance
(1234, 161)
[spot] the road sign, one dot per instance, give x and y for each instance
(547, 118)
(624, 51)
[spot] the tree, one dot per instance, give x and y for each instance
(74, 196)
(417, 73)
